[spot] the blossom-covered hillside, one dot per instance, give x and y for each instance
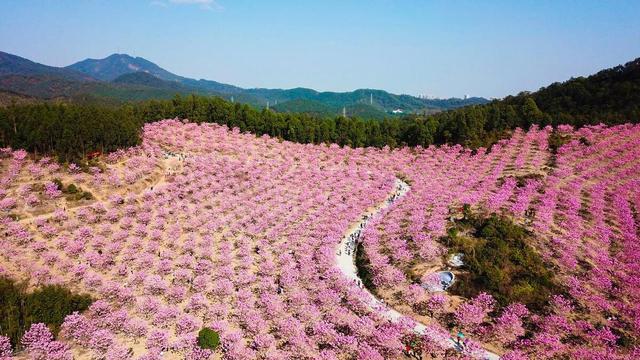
(206, 226)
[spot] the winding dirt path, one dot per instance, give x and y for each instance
(345, 259)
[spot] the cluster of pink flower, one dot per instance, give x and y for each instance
(243, 240)
(582, 210)
(29, 186)
(586, 215)
(12, 163)
(39, 342)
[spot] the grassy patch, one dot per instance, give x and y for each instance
(72, 192)
(208, 339)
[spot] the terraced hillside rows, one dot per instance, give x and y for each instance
(205, 226)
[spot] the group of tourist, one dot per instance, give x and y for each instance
(169, 155)
(354, 237)
(400, 190)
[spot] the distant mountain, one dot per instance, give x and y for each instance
(210, 85)
(15, 65)
(367, 111)
(381, 100)
(116, 65)
(48, 87)
(121, 77)
(56, 88)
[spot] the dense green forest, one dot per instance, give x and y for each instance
(71, 130)
(48, 304)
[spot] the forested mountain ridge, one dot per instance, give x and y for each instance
(147, 79)
(9, 97)
(611, 92)
(117, 65)
(380, 99)
(69, 83)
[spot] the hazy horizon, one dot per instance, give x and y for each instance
(407, 47)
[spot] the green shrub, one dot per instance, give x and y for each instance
(74, 193)
(208, 339)
(71, 189)
(86, 195)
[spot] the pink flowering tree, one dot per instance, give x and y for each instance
(508, 327)
(38, 341)
(5, 347)
(51, 190)
(472, 314)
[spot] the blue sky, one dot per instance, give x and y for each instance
(439, 48)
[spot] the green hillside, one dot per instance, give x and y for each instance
(366, 111)
(611, 96)
(320, 109)
(311, 107)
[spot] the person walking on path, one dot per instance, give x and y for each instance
(460, 340)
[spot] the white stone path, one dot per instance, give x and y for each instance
(345, 258)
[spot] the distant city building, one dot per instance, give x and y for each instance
(466, 97)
